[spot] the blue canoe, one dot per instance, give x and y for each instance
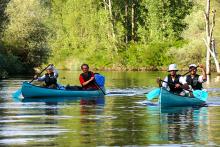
(31, 91)
(168, 99)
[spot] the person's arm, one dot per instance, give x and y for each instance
(55, 72)
(41, 78)
(182, 80)
(83, 83)
(164, 84)
(159, 82)
(204, 76)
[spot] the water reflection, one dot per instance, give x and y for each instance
(212, 81)
(90, 120)
(184, 124)
(116, 120)
(47, 114)
(217, 79)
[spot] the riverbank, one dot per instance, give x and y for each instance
(4, 74)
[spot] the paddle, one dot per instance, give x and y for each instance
(199, 94)
(153, 94)
(156, 92)
(187, 72)
(17, 93)
(41, 72)
(99, 87)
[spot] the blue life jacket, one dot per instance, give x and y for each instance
(100, 79)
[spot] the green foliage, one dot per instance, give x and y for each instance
(25, 35)
(145, 34)
(194, 50)
(10, 64)
(80, 31)
(83, 31)
(167, 18)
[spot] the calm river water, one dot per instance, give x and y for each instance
(122, 118)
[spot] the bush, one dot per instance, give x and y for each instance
(10, 64)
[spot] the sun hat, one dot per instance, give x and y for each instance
(172, 67)
(50, 67)
(192, 65)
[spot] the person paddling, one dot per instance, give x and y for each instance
(173, 81)
(87, 78)
(193, 80)
(50, 78)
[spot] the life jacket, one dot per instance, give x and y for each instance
(194, 82)
(86, 77)
(50, 79)
(172, 84)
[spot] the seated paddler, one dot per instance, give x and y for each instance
(173, 82)
(50, 77)
(194, 80)
(87, 78)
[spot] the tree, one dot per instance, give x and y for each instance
(25, 36)
(209, 40)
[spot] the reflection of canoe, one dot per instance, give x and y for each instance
(177, 110)
(55, 100)
(168, 99)
(32, 91)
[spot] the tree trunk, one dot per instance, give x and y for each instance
(104, 2)
(126, 21)
(132, 21)
(111, 18)
(215, 56)
(208, 39)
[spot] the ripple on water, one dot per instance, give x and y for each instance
(125, 119)
(22, 141)
(28, 131)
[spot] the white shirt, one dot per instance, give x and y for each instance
(200, 79)
(181, 80)
(43, 77)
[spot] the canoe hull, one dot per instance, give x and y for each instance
(168, 99)
(31, 91)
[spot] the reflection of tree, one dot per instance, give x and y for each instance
(2, 114)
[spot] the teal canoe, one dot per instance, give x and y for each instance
(168, 99)
(31, 91)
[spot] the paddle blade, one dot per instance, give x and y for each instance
(153, 94)
(17, 93)
(200, 94)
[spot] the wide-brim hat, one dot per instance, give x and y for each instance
(172, 67)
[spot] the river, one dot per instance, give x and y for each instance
(122, 118)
